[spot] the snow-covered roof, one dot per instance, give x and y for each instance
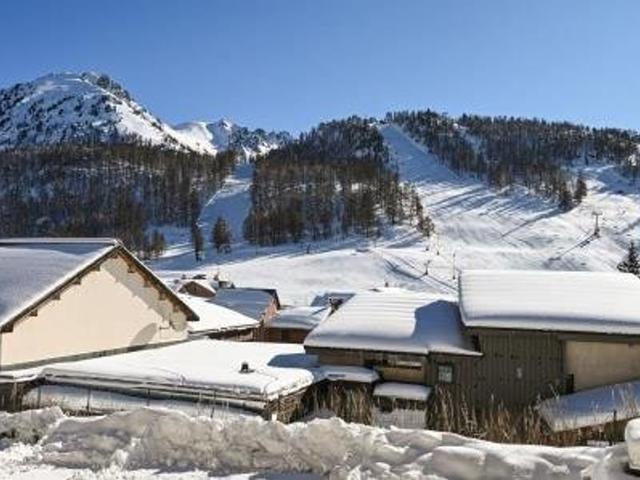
(202, 283)
(248, 301)
(348, 373)
(302, 318)
(200, 365)
(215, 318)
(602, 302)
(405, 391)
(33, 268)
(325, 298)
(394, 321)
(595, 406)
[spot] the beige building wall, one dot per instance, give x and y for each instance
(595, 364)
(112, 308)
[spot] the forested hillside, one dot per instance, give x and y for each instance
(530, 152)
(105, 190)
(336, 179)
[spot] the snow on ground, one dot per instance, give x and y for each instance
(145, 443)
(477, 228)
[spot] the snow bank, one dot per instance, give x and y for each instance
(28, 426)
(632, 439)
(172, 441)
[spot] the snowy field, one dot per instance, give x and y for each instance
(163, 444)
(476, 228)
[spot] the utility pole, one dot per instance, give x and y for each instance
(596, 228)
(453, 267)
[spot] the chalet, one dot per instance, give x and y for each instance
(513, 336)
(64, 299)
(406, 338)
(544, 333)
(292, 325)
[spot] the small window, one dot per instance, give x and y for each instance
(445, 373)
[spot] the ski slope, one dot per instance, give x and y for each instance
(489, 229)
(476, 227)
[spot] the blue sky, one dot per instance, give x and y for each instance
(288, 64)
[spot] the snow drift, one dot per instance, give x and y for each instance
(171, 441)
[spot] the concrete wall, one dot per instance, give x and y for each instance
(112, 308)
(595, 364)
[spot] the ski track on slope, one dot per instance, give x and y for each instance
(487, 229)
(476, 227)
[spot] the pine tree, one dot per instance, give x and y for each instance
(631, 263)
(581, 189)
(221, 235)
(565, 202)
(197, 241)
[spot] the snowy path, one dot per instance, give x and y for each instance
(232, 202)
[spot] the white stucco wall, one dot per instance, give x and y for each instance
(110, 309)
(595, 363)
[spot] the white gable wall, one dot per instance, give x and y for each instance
(111, 309)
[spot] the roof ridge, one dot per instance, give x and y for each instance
(59, 240)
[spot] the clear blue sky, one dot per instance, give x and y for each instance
(288, 64)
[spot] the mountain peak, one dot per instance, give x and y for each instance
(71, 107)
(223, 134)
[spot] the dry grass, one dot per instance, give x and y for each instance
(494, 422)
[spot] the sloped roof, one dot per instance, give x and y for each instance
(32, 269)
(394, 321)
(215, 318)
(302, 318)
(248, 301)
(591, 302)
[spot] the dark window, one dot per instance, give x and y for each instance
(445, 373)
(475, 341)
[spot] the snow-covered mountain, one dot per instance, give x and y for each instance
(69, 107)
(79, 107)
(225, 134)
